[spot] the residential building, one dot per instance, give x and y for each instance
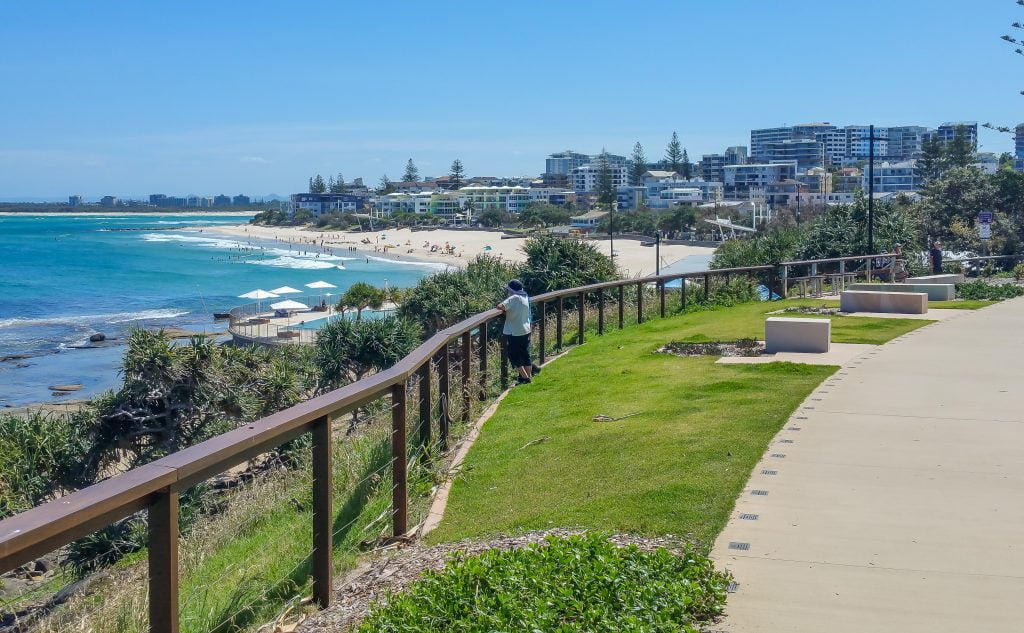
(858, 143)
(109, 201)
(157, 199)
(240, 200)
(806, 153)
(222, 201)
(760, 138)
(736, 155)
(892, 177)
(587, 223)
(655, 182)
(321, 203)
(512, 199)
(392, 203)
(585, 177)
(816, 180)
(564, 162)
(414, 186)
(75, 201)
(847, 180)
(987, 162)
(712, 167)
(905, 141)
(1018, 146)
(947, 132)
(740, 179)
(834, 146)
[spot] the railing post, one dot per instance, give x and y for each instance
(661, 289)
(542, 344)
(425, 408)
(622, 306)
(707, 288)
(785, 282)
(581, 316)
(323, 513)
(483, 361)
(600, 311)
(682, 294)
(163, 563)
(558, 325)
(869, 269)
(842, 274)
(399, 476)
(467, 370)
(444, 386)
(503, 346)
(639, 303)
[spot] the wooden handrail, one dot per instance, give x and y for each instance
(155, 486)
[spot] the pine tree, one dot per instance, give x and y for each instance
(959, 152)
(317, 184)
(932, 162)
(337, 185)
(687, 171)
(456, 175)
(310, 184)
(605, 187)
(385, 186)
(674, 154)
(637, 165)
(411, 173)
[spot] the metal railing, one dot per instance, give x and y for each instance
(155, 487)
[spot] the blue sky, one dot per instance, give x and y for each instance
(131, 98)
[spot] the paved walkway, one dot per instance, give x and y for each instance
(895, 494)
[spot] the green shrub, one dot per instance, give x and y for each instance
(979, 289)
(555, 263)
(577, 583)
(735, 291)
(1018, 272)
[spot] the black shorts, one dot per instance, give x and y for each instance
(519, 350)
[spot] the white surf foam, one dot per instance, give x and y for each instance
(84, 320)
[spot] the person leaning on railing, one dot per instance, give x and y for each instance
(517, 330)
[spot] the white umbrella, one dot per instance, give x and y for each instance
(288, 305)
(320, 285)
(285, 290)
(259, 295)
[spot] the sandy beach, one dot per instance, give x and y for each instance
(632, 258)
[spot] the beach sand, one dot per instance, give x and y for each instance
(631, 258)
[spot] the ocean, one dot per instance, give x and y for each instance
(64, 278)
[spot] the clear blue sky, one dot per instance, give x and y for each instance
(221, 96)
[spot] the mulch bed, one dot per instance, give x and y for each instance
(742, 347)
(391, 571)
(812, 310)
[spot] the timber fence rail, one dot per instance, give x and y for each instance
(459, 352)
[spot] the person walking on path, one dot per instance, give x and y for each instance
(935, 253)
(517, 330)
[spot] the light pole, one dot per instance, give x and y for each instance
(871, 189)
(611, 229)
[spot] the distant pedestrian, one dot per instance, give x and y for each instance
(517, 330)
(935, 253)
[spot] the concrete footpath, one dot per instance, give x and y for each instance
(893, 500)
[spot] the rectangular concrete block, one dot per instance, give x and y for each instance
(936, 279)
(788, 334)
(935, 292)
(874, 301)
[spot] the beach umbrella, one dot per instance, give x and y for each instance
(319, 285)
(259, 295)
(288, 305)
(285, 290)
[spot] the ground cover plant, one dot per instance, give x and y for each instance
(675, 468)
(979, 289)
(566, 584)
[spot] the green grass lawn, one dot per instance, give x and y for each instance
(676, 468)
(957, 304)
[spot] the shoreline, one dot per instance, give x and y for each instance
(429, 246)
(58, 214)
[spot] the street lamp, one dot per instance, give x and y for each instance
(871, 188)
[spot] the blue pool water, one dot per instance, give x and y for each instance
(63, 278)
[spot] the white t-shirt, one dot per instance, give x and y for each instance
(517, 315)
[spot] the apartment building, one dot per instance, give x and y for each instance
(893, 177)
(740, 179)
(321, 203)
(806, 153)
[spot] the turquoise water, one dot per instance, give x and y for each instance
(65, 278)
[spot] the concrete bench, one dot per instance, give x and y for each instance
(874, 301)
(788, 334)
(935, 292)
(936, 279)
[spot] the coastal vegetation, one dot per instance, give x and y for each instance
(567, 584)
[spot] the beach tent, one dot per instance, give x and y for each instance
(259, 295)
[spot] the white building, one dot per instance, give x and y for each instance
(892, 177)
(740, 179)
(585, 178)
